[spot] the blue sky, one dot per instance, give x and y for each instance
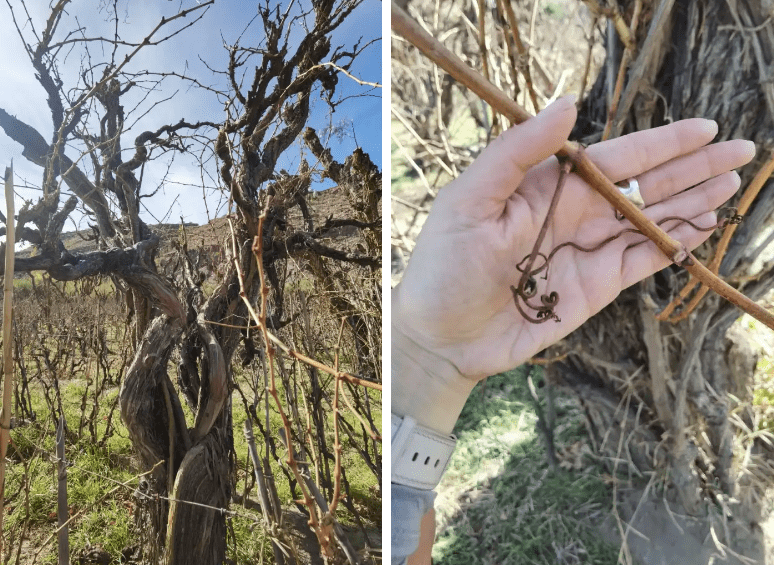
(181, 193)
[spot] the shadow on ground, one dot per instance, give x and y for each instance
(499, 503)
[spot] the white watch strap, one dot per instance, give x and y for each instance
(419, 455)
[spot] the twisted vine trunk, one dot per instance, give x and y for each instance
(188, 465)
(656, 394)
(189, 474)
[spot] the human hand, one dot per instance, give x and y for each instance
(453, 312)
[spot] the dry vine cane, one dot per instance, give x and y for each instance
(325, 525)
(260, 320)
(752, 190)
(404, 25)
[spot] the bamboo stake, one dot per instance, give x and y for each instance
(5, 417)
(586, 169)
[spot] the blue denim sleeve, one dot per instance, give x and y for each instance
(408, 507)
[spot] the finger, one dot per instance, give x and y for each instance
(707, 196)
(633, 154)
(645, 259)
(675, 176)
(498, 171)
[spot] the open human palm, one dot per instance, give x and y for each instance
(455, 298)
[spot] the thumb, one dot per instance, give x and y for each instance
(502, 165)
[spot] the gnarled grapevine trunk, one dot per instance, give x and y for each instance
(184, 341)
(669, 389)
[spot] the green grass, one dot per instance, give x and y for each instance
(92, 474)
(557, 10)
(108, 520)
(250, 543)
(359, 476)
(500, 503)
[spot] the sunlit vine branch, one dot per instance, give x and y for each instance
(744, 204)
(625, 58)
(260, 319)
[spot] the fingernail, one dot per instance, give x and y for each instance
(568, 100)
(560, 104)
(749, 150)
(711, 127)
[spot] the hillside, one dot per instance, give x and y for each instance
(323, 205)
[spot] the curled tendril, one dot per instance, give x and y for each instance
(727, 216)
(530, 288)
(550, 300)
(528, 285)
(543, 313)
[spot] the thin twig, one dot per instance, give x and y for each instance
(587, 67)
(673, 249)
(744, 204)
(482, 37)
(484, 53)
(625, 58)
(523, 53)
(543, 361)
(614, 13)
(350, 75)
(512, 57)
(535, 5)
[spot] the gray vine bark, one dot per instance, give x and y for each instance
(658, 384)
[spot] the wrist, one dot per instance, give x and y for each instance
(425, 385)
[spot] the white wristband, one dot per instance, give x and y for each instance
(419, 455)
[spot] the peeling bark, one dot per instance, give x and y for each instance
(196, 534)
(716, 63)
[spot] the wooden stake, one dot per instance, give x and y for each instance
(5, 417)
(271, 515)
(61, 498)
